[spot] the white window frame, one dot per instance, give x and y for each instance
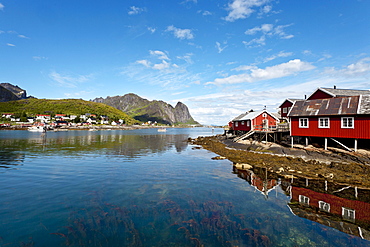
(348, 214)
(324, 206)
(236, 124)
(248, 123)
(242, 122)
(344, 122)
(323, 124)
(303, 125)
(304, 199)
(285, 110)
(264, 115)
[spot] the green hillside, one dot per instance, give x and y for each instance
(64, 106)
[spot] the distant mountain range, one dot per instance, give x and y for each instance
(133, 105)
(144, 110)
(10, 92)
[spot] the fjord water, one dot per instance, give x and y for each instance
(139, 188)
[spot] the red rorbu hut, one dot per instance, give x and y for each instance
(256, 121)
(332, 113)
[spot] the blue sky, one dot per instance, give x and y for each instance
(220, 58)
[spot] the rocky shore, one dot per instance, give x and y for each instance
(334, 165)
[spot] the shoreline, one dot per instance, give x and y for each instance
(333, 165)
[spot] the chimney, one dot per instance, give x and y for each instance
(335, 87)
(305, 96)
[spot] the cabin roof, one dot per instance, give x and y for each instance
(336, 92)
(290, 100)
(351, 105)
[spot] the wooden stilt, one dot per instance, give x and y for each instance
(355, 145)
(306, 141)
(292, 141)
(326, 143)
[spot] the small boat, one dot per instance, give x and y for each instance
(162, 130)
(37, 129)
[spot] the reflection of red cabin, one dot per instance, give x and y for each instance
(347, 209)
(260, 121)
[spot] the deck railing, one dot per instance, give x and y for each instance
(279, 127)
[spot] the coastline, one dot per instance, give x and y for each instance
(333, 165)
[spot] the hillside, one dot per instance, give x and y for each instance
(144, 110)
(65, 106)
(6, 95)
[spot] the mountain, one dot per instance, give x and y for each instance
(10, 92)
(6, 95)
(32, 106)
(144, 110)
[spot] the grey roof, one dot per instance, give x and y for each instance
(345, 92)
(365, 105)
(331, 106)
(289, 99)
(240, 116)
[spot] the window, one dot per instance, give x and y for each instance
(236, 124)
(303, 123)
(324, 122)
(324, 206)
(242, 122)
(248, 123)
(348, 214)
(348, 122)
(285, 110)
(264, 115)
(304, 199)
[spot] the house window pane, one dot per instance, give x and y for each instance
(348, 214)
(324, 123)
(347, 122)
(304, 199)
(303, 123)
(324, 206)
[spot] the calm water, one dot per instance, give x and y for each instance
(142, 188)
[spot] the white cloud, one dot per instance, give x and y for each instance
(257, 74)
(152, 29)
(359, 69)
(258, 41)
(280, 54)
(241, 9)
(267, 30)
(180, 33)
(135, 10)
(219, 48)
(67, 80)
(38, 58)
(160, 54)
(22, 36)
(8, 44)
(1, 6)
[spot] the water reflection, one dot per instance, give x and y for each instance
(105, 143)
(345, 208)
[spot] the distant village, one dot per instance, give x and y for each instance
(329, 116)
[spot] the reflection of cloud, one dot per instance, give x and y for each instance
(257, 74)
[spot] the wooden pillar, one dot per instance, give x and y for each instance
(355, 145)
(292, 141)
(326, 143)
(306, 141)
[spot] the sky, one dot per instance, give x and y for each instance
(220, 58)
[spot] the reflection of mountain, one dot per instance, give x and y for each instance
(98, 143)
(342, 207)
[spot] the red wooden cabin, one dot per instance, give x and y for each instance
(286, 106)
(258, 121)
(332, 113)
